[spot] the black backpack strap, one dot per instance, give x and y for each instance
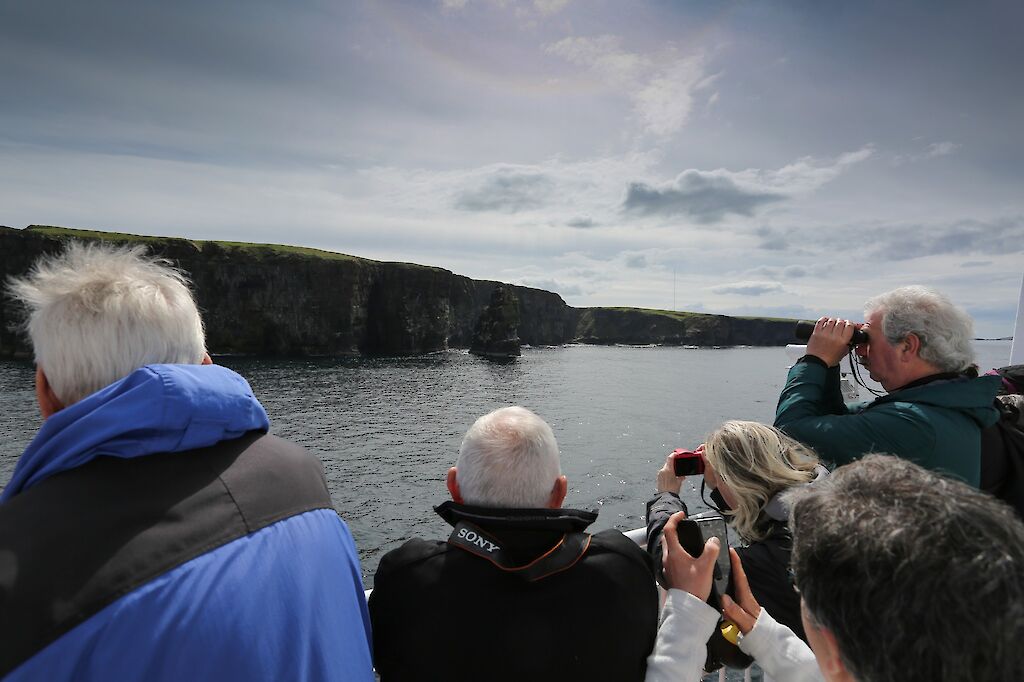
(1002, 457)
(561, 557)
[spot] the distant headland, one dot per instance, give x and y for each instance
(270, 299)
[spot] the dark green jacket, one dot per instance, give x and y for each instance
(938, 425)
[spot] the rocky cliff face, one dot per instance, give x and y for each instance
(497, 330)
(275, 300)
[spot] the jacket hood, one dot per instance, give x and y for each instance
(972, 397)
(155, 409)
(561, 520)
(777, 510)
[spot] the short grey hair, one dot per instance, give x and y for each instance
(944, 329)
(918, 576)
(508, 458)
(97, 312)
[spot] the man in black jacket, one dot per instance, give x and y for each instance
(518, 591)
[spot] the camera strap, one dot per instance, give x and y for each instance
(562, 556)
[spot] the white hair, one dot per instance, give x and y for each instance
(945, 330)
(97, 312)
(508, 458)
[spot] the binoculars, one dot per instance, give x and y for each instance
(804, 329)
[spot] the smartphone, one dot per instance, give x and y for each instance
(687, 462)
(695, 531)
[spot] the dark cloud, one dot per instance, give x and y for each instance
(507, 190)
(905, 242)
(636, 260)
(795, 272)
(976, 264)
(748, 288)
(704, 197)
(582, 223)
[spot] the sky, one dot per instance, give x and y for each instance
(745, 158)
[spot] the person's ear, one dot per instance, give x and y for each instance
(912, 345)
(826, 649)
(49, 403)
(207, 360)
(558, 493)
(453, 486)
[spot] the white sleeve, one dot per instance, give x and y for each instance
(681, 648)
(781, 654)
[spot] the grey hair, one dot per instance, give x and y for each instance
(944, 329)
(918, 576)
(757, 462)
(96, 312)
(508, 458)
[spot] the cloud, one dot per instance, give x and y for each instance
(748, 288)
(507, 189)
(547, 7)
(906, 242)
(542, 7)
(635, 260)
(940, 149)
(581, 222)
(883, 241)
(706, 197)
(711, 196)
(789, 271)
(548, 284)
(933, 150)
(662, 86)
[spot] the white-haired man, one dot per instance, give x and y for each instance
(518, 591)
(152, 530)
(919, 350)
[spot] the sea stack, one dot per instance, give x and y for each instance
(497, 329)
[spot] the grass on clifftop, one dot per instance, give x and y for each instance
(683, 315)
(253, 248)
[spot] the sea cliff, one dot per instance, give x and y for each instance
(266, 299)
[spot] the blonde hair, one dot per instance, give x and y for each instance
(757, 462)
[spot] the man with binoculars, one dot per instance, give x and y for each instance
(918, 348)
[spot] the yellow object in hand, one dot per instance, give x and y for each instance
(730, 631)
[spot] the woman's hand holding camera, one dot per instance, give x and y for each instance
(668, 482)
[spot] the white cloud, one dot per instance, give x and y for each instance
(747, 288)
(940, 149)
(662, 85)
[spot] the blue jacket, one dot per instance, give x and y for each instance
(156, 534)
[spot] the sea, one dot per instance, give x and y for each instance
(388, 429)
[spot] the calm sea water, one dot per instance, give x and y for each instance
(387, 430)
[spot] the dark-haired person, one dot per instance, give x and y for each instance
(919, 350)
(904, 575)
(152, 530)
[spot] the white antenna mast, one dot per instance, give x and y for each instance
(1017, 346)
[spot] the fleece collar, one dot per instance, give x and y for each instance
(155, 409)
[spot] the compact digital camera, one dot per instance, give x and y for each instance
(687, 462)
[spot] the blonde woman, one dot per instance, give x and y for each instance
(749, 466)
